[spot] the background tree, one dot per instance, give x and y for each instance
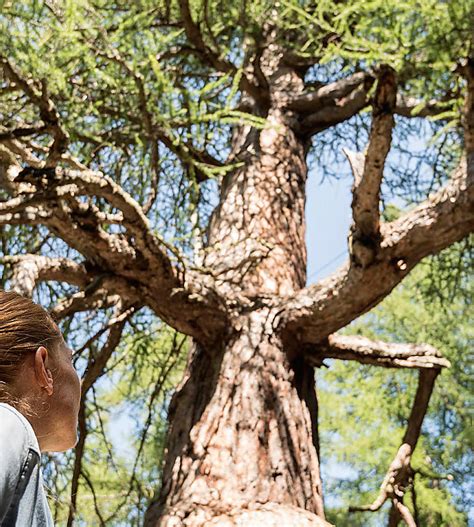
(153, 163)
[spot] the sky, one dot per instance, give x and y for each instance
(328, 217)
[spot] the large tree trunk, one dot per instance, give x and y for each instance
(242, 441)
(242, 446)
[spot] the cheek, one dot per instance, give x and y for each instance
(72, 389)
(77, 387)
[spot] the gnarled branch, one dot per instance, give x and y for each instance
(29, 269)
(368, 172)
(377, 353)
(400, 473)
(310, 102)
(443, 219)
(337, 109)
(49, 196)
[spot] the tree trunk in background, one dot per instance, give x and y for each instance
(242, 445)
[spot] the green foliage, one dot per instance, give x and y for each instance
(125, 77)
(364, 409)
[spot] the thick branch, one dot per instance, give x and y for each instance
(443, 219)
(368, 171)
(399, 475)
(339, 111)
(62, 182)
(9, 170)
(332, 103)
(338, 101)
(310, 102)
(179, 296)
(377, 353)
(28, 216)
(29, 269)
(22, 131)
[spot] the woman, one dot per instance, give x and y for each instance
(39, 402)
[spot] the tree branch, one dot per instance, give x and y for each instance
(212, 57)
(377, 353)
(339, 111)
(399, 512)
(338, 101)
(400, 474)
(61, 182)
(29, 269)
(22, 131)
(28, 216)
(332, 103)
(310, 102)
(368, 172)
(96, 365)
(467, 70)
(38, 95)
(443, 219)
(188, 154)
(179, 296)
(77, 468)
(103, 291)
(93, 371)
(406, 107)
(9, 170)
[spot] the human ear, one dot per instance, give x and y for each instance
(43, 374)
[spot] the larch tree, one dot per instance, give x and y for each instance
(154, 154)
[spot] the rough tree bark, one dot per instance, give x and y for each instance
(243, 442)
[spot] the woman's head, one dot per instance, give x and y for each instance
(36, 372)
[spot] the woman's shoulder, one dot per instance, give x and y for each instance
(19, 456)
(16, 433)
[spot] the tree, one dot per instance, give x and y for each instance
(155, 156)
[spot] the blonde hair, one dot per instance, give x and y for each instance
(24, 326)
